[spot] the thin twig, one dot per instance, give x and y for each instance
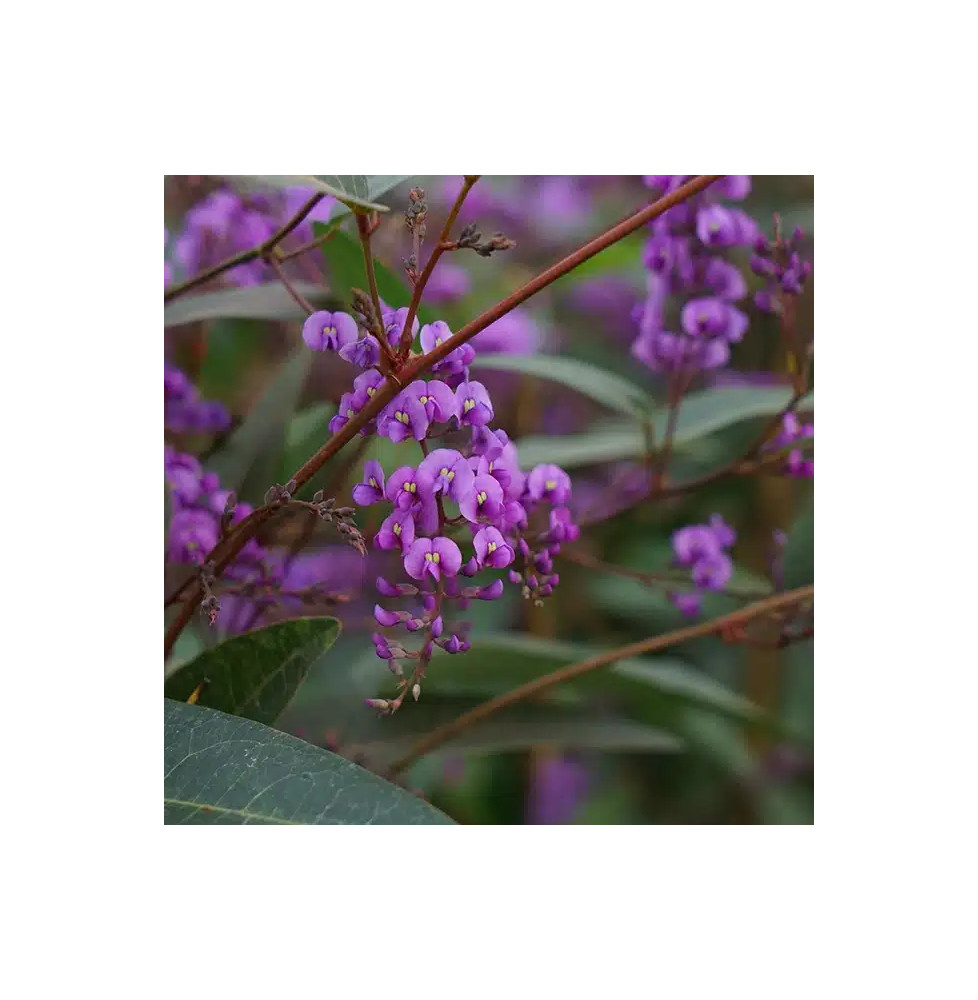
(247, 255)
(406, 336)
(444, 733)
(277, 267)
(661, 578)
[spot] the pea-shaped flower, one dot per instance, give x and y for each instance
(474, 405)
(328, 331)
(492, 549)
(436, 557)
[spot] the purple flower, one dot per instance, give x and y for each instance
(736, 187)
(386, 618)
(513, 516)
(192, 534)
(717, 226)
(445, 471)
(713, 318)
(556, 792)
(371, 490)
(394, 325)
(712, 572)
(689, 603)
(436, 398)
(397, 531)
(402, 488)
(514, 333)
(484, 502)
(363, 352)
(549, 482)
(326, 331)
(693, 543)
(667, 352)
(434, 335)
(474, 405)
(562, 526)
(448, 283)
(405, 416)
(724, 280)
(725, 535)
(183, 473)
(365, 385)
(348, 408)
(434, 556)
(492, 549)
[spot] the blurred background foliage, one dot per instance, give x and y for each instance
(707, 733)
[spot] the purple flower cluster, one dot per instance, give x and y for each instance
(781, 266)
(227, 222)
(701, 548)
(184, 412)
(684, 258)
(794, 432)
(199, 505)
(475, 491)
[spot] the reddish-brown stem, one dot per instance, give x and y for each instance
(364, 230)
(444, 733)
(302, 303)
(228, 548)
(677, 389)
(406, 336)
(247, 255)
(306, 247)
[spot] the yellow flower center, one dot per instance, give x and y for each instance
(411, 487)
(396, 529)
(424, 399)
(403, 417)
(349, 413)
(481, 497)
(469, 404)
(432, 557)
(373, 482)
(551, 484)
(491, 547)
(371, 390)
(438, 341)
(330, 331)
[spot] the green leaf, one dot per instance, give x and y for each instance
(611, 390)
(249, 462)
(255, 675)
(356, 191)
(219, 769)
(799, 551)
(701, 414)
(501, 662)
(268, 301)
(344, 258)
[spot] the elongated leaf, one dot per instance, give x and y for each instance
(501, 662)
(255, 675)
(701, 413)
(219, 769)
(356, 191)
(611, 390)
(268, 301)
(248, 463)
(799, 552)
(572, 731)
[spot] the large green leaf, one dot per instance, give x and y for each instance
(701, 413)
(249, 462)
(611, 390)
(356, 191)
(255, 675)
(219, 769)
(268, 301)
